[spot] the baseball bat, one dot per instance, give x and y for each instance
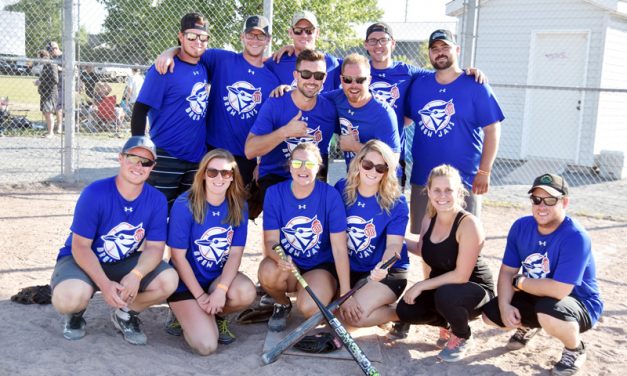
(334, 323)
(295, 335)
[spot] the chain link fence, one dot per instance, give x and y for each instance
(564, 106)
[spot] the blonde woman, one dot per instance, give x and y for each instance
(377, 216)
(207, 234)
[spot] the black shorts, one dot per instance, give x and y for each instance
(257, 193)
(567, 309)
(172, 176)
(178, 296)
(328, 266)
(396, 280)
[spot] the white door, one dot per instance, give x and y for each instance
(552, 125)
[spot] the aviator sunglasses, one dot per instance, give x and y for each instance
(306, 74)
(297, 163)
(134, 159)
(548, 201)
(349, 80)
(212, 173)
(368, 165)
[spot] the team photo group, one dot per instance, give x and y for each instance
(221, 138)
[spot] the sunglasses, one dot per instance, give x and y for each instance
(306, 74)
(548, 201)
(193, 36)
(381, 41)
(297, 163)
(212, 173)
(349, 80)
(259, 37)
(368, 165)
(300, 30)
(135, 159)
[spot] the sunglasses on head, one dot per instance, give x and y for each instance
(193, 36)
(349, 80)
(135, 159)
(300, 30)
(368, 165)
(297, 163)
(306, 74)
(212, 173)
(548, 201)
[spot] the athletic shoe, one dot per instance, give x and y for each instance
(455, 349)
(278, 320)
(521, 338)
(74, 327)
(266, 300)
(172, 325)
(571, 362)
(445, 335)
(128, 324)
(399, 330)
(225, 336)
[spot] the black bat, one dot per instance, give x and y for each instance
(295, 335)
(334, 323)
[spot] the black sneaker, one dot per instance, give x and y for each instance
(278, 320)
(129, 327)
(399, 330)
(74, 327)
(225, 336)
(521, 338)
(571, 362)
(172, 325)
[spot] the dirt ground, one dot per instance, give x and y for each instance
(34, 222)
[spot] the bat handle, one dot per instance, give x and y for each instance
(390, 261)
(279, 251)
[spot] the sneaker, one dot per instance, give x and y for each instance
(128, 324)
(571, 361)
(278, 320)
(455, 349)
(521, 337)
(399, 330)
(172, 325)
(445, 335)
(74, 327)
(225, 336)
(266, 300)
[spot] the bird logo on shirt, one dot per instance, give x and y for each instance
(242, 97)
(537, 265)
(436, 117)
(214, 246)
(313, 135)
(385, 93)
(302, 234)
(198, 101)
(121, 241)
(360, 233)
(347, 128)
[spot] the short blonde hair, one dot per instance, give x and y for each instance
(356, 59)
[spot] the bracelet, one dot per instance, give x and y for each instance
(137, 273)
(222, 286)
(482, 172)
(519, 285)
(199, 296)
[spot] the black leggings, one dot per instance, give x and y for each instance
(452, 305)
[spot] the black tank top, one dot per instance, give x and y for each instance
(442, 256)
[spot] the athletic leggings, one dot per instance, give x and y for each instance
(448, 305)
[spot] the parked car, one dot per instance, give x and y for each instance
(113, 74)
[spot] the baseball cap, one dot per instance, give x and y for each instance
(143, 142)
(379, 26)
(305, 15)
(257, 23)
(443, 35)
(193, 21)
(553, 184)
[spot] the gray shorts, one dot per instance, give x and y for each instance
(67, 268)
(418, 206)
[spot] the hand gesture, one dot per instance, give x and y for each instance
(295, 127)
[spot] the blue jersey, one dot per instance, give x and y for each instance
(374, 120)
(285, 71)
(368, 226)
(238, 89)
(276, 113)
(178, 107)
(117, 227)
(305, 224)
(564, 255)
(449, 124)
(207, 244)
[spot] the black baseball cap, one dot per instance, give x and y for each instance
(553, 184)
(379, 26)
(194, 21)
(257, 23)
(443, 35)
(143, 142)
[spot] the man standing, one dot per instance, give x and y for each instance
(56, 54)
(177, 105)
(557, 289)
(115, 218)
(457, 123)
(48, 93)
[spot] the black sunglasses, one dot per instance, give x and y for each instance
(307, 30)
(368, 165)
(212, 173)
(548, 201)
(134, 159)
(349, 80)
(306, 74)
(193, 36)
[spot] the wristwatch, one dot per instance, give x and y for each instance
(517, 281)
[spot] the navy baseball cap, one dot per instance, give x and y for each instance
(552, 184)
(443, 35)
(143, 142)
(257, 23)
(194, 21)
(379, 26)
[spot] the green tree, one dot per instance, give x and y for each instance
(43, 22)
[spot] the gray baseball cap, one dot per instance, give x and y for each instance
(143, 142)
(257, 23)
(305, 15)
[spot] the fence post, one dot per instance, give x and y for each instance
(69, 83)
(469, 34)
(267, 12)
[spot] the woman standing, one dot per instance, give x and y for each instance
(207, 234)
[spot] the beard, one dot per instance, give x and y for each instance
(442, 64)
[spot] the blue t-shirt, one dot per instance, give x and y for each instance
(208, 244)
(276, 113)
(178, 107)
(374, 120)
(368, 226)
(116, 226)
(449, 124)
(305, 224)
(285, 71)
(238, 89)
(564, 255)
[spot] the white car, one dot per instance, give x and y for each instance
(113, 74)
